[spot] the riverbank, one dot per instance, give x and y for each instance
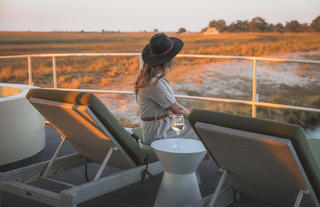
(292, 84)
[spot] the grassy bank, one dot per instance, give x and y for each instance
(252, 44)
(119, 73)
(84, 72)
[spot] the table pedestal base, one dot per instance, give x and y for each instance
(177, 190)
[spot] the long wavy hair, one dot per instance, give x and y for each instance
(149, 72)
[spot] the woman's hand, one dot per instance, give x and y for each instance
(177, 108)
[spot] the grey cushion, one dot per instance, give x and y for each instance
(272, 128)
(100, 110)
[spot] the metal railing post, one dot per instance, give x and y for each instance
(30, 71)
(254, 87)
(54, 72)
(140, 62)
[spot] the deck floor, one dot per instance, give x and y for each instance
(136, 195)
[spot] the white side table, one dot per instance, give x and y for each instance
(180, 158)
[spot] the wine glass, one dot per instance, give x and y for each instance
(178, 123)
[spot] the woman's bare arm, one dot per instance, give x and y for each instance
(177, 108)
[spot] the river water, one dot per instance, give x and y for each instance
(314, 133)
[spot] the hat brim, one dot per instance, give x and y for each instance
(157, 60)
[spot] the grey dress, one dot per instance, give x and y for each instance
(153, 101)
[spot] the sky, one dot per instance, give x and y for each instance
(145, 15)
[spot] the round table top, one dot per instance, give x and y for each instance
(178, 145)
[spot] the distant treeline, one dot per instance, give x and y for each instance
(258, 24)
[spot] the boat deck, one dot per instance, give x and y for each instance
(139, 194)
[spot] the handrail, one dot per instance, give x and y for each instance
(69, 54)
(254, 101)
(280, 60)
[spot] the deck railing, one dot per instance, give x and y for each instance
(254, 102)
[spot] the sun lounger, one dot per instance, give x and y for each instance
(270, 161)
(97, 136)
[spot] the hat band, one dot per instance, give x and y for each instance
(164, 53)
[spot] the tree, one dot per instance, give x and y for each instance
(277, 28)
(204, 29)
(220, 24)
(241, 26)
(258, 24)
(181, 30)
(156, 30)
(305, 27)
(315, 25)
(293, 26)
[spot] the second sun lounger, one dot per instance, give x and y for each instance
(267, 160)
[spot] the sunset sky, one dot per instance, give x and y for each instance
(139, 15)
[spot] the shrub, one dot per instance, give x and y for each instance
(181, 30)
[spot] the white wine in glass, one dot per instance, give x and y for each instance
(178, 123)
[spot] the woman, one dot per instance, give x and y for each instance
(154, 94)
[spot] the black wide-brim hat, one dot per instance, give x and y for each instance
(161, 49)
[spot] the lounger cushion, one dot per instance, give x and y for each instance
(151, 156)
(315, 147)
(273, 128)
(137, 131)
(100, 110)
